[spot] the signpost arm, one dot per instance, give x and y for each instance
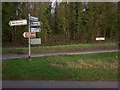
(29, 39)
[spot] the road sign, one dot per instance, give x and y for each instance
(18, 22)
(34, 18)
(100, 38)
(35, 41)
(29, 34)
(35, 23)
(35, 29)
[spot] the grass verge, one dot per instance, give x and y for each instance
(99, 66)
(61, 48)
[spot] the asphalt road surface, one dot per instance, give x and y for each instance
(60, 84)
(11, 56)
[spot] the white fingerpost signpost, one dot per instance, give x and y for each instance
(29, 38)
(33, 27)
(34, 24)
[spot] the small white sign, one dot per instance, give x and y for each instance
(100, 38)
(35, 41)
(18, 22)
(35, 23)
(35, 29)
(34, 18)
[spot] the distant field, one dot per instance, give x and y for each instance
(100, 66)
(60, 48)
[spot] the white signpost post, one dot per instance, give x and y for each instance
(34, 23)
(33, 27)
(29, 39)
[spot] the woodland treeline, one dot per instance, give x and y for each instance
(71, 23)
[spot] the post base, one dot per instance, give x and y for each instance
(29, 58)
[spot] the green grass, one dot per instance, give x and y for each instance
(100, 66)
(60, 48)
